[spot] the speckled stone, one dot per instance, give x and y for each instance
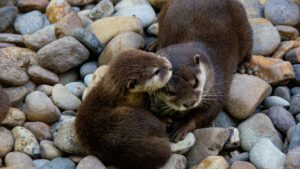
(7, 16)
(282, 12)
(295, 106)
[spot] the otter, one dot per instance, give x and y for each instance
(206, 41)
(4, 103)
(113, 123)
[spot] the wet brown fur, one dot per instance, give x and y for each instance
(4, 104)
(113, 124)
(217, 30)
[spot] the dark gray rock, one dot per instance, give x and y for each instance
(281, 118)
(89, 39)
(7, 16)
(298, 118)
(60, 163)
(283, 92)
(295, 140)
(293, 56)
(282, 12)
(29, 23)
(295, 104)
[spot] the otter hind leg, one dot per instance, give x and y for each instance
(131, 138)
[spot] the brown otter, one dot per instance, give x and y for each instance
(205, 40)
(4, 104)
(112, 122)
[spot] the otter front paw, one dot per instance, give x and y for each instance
(247, 69)
(180, 129)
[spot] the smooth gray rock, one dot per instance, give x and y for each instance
(64, 99)
(60, 163)
(281, 118)
(282, 12)
(88, 68)
(256, 127)
(275, 101)
(76, 88)
(224, 120)
(63, 54)
(29, 23)
(264, 155)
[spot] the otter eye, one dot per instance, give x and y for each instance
(131, 84)
(197, 59)
(156, 72)
(196, 83)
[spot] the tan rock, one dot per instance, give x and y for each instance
(30, 5)
(246, 93)
(272, 70)
(49, 150)
(120, 43)
(213, 162)
(15, 117)
(242, 165)
(57, 9)
(18, 160)
(41, 75)
(107, 28)
(287, 32)
(41, 130)
(65, 26)
(284, 47)
(293, 160)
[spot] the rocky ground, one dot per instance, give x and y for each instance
(49, 58)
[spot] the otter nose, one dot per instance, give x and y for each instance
(189, 104)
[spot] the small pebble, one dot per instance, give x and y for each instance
(296, 68)
(242, 165)
(18, 160)
(49, 150)
(15, 117)
(7, 16)
(39, 163)
(60, 163)
(224, 120)
(29, 23)
(176, 161)
(88, 79)
(76, 88)
(293, 160)
(41, 130)
(64, 99)
(90, 162)
(239, 157)
(88, 68)
(275, 101)
(6, 142)
(295, 90)
(295, 106)
(283, 92)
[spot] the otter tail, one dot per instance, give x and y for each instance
(128, 138)
(4, 104)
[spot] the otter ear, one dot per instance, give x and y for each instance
(131, 84)
(197, 59)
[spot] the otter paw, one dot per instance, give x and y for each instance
(246, 69)
(181, 129)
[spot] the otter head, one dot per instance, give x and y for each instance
(190, 79)
(137, 71)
